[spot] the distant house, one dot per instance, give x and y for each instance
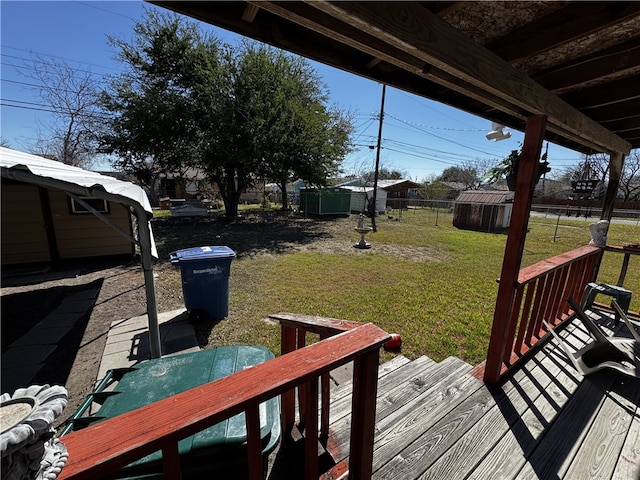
(273, 192)
(454, 189)
(399, 192)
(395, 192)
(190, 185)
(256, 193)
(483, 210)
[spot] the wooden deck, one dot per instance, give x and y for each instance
(436, 420)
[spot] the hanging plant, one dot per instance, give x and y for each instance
(507, 169)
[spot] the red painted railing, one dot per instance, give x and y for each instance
(105, 447)
(294, 329)
(541, 293)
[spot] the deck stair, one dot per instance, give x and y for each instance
(436, 420)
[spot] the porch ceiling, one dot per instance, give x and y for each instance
(576, 62)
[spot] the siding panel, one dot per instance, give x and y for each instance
(85, 235)
(24, 238)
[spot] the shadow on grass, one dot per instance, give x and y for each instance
(247, 236)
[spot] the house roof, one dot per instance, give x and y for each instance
(575, 62)
(391, 183)
(359, 189)
(381, 183)
(485, 197)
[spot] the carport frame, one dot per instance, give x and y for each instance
(19, 170)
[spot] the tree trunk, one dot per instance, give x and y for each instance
(285, 200)
(230, 193)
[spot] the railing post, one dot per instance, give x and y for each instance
(302, 390)
(254, 447)
(363, 415)
(288, 344)
(325, 398)
(171, 461)
(534, 135)
(311, 430)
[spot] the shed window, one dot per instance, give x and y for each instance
(98, 204)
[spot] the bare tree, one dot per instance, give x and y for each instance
(72, 97)
(630, 178)
(596, 167)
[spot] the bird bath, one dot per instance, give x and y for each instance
(362, 230)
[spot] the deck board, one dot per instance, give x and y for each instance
(598, 453)
(404, 427)
(341, 404)
(554, 453)
(435, 420)
(434, 442)
(489, 447)
(400, 396)
(536, 399)
(628, 465)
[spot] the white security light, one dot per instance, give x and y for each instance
(496, 133)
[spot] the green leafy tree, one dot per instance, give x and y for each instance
(280, 105)
(152, 125)
(467, 175)
(383, 174)
(241, 115)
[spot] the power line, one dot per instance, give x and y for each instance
(441, 137)
(44, 108)
(421, 156)
(42, 62)
(420, 125)
(106, 10)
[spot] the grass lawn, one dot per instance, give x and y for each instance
(433, 284)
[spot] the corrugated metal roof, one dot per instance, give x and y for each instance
(485, 197)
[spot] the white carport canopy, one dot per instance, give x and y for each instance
(77, 182)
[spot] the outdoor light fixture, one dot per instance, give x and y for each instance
(496, 133)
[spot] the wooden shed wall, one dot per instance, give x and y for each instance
(24, 233)
(24, 236)
(482, 217)
(85, 235)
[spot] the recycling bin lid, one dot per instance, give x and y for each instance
(201, 253)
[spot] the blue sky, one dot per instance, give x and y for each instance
(419, 137)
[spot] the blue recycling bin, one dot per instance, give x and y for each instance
(205, 279)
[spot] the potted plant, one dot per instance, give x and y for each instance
(507, 169)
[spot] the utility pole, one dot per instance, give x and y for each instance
(375, 173)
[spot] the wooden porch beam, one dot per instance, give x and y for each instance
(526, 181)
(615, 171)
(621, 60)
(577, 19)
(416, 31)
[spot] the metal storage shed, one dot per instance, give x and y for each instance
(361, 196)
(325, 201)
(483, 210)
